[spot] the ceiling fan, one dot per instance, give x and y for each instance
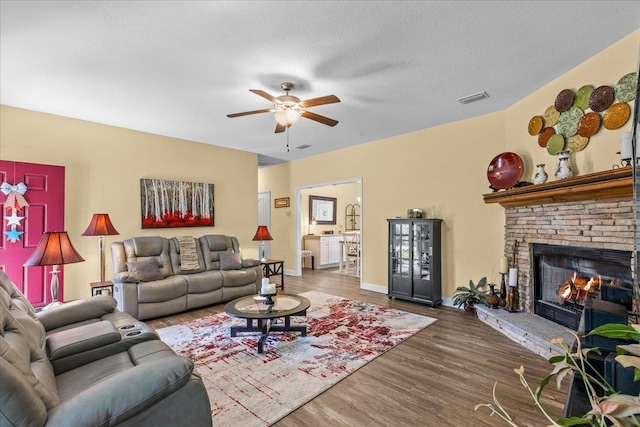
(288, 108)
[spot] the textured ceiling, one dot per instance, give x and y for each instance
(176, 68)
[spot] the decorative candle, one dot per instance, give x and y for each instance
(504, 265)
(265, 286)
(626, 151)
(272, 288)
(513, 277)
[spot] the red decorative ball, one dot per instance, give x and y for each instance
(505, 170)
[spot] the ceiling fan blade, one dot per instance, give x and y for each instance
(280, 128)
(318, 118)
(265, 95)
(246, 113)
(329, 99)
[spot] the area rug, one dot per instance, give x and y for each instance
(250, 389)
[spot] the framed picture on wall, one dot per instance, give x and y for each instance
(172, 204)
(282, 202)
(322, 209)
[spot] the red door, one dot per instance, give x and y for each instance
(45, 196)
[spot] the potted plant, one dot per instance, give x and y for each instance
(608, 406)
(469, 296)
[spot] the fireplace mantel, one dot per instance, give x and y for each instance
(609, 184)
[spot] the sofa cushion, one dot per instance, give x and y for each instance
(207, 281)
(212, 245)
(156, 247)
(230, 261)
(162, 290)
(16, 394)
(19, 350)
(145, 270)
(233, 278)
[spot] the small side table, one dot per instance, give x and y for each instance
(271, 267)
(101, 288)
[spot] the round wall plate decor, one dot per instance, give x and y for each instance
(505, 170)
(625, 89)
(589, 124)
(544, 136)
(601, 99)
(577, 143)
(555, 144)
(564, 100)
(568, 121)
(535, 125)
(551, 116)
(582, 97)
(616, 116)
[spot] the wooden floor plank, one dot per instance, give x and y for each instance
(434, 378)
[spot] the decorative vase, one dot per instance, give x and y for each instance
(493, 300)
(564, 169)
(541, 175)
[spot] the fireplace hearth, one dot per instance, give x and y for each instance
(566, 277)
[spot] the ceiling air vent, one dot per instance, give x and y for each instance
(303, 146)
(472, 98)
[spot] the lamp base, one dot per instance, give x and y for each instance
(51, 305)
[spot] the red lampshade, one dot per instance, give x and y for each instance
(262, 233)
(54, 248)
(100, 226)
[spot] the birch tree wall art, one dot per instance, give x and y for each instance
(169, 204)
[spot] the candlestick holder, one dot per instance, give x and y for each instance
(513, 300)
(268, 298)
(503, 286)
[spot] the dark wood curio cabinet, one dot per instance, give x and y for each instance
(414, 260)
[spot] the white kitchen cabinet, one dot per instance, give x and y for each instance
(326, 249)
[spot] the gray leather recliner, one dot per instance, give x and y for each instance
(86, 364)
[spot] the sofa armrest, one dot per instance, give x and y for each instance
(83, 338)
(247, 263)
(122, 396)
(77, 311)
(125, 277)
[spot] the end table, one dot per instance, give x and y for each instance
(101, 288)
(272, 267)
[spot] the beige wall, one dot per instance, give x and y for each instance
(606, 68)
(417, 170)
(103, 167)
(446, 166)
(443, 166)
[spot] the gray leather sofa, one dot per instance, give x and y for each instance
(156, 276)
(86, 364)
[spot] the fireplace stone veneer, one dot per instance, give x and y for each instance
(602, 224)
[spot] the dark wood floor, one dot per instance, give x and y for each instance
(434, 378)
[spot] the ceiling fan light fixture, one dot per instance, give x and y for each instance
(287, 117)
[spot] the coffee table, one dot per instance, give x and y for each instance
(252, 308)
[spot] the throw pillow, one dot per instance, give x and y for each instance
(230, 261)
(145, 270)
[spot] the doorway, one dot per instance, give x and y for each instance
(344, 198)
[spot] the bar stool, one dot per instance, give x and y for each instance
(308, 254)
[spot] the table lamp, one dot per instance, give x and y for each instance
(100, 226)
(262, 234)
(54, 249)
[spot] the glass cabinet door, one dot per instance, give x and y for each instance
(401, 249)
(422, 251)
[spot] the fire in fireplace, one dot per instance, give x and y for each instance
(578, 289)
(566, 277)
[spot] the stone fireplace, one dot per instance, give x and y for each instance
(592, 213)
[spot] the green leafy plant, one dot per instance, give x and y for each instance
(470, 295)
(612, 409)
